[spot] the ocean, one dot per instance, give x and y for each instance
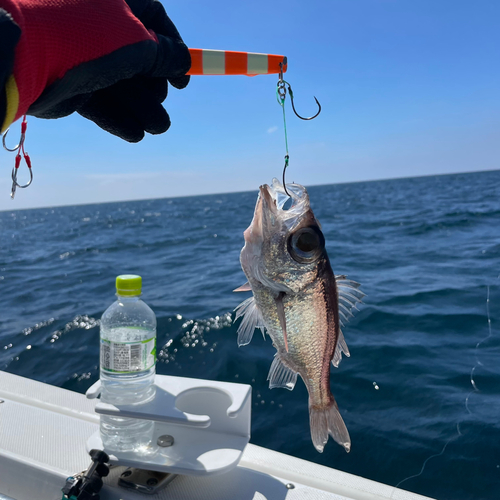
(420, 393)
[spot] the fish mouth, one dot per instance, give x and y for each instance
(254, 234)
(265, 208)
(268, 199)
(296, 192)
(269, 208)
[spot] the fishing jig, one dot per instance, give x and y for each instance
(204, 62)
(20, 149)
(281, 91)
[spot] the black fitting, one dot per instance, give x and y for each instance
(88, 485)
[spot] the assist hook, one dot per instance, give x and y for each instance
(282, 84)
(15, 148)
(295, 111)
(19, 149)
(280, 96)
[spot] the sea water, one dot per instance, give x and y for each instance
(425, 251)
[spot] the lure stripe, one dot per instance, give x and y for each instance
(214, 63)
(257, 65)
(225, 62)
(235, 64)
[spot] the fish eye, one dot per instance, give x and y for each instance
(306, 244)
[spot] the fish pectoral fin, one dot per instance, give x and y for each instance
(281, 376)
(281, 316)
(252, 319)
(340, 348)
(349, 296)
(243, 288)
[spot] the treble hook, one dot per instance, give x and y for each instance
(295, 111)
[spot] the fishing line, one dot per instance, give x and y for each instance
(280, 96)
(466, 402)
(478, 363)
(429, 458)
(281, 90)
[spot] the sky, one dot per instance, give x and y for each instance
(407, 87)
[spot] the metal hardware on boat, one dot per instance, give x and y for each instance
(165, 441)
(145, 481)
(290, 486)
(87, 484)
(1, 400)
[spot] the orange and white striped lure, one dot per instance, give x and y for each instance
(227, 62)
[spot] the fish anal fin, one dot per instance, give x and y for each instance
(340, 348)
(252, 319)
(281, 376)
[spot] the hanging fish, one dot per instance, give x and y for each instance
(299, 302)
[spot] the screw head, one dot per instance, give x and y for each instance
(165, 441)
(290, 486)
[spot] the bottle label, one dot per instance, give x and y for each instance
(128, 357)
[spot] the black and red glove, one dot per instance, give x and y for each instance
(109, 60)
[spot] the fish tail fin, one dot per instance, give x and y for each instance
(326, 422)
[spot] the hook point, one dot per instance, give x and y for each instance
(14, 149)
(295, 111)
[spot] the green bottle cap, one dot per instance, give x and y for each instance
(128, 285)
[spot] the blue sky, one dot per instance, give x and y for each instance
(407, 87)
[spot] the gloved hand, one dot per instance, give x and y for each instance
(110, 60)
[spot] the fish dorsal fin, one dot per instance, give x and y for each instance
(339, 349)
(252, 319)
(349, 295)
(281, 376)
(243, 288)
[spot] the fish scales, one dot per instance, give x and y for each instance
(296, 300)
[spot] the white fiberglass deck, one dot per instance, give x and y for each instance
(44, 429)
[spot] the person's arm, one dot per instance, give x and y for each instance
(111, 61)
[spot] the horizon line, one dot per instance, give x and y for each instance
(248, 191)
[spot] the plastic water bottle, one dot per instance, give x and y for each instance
(128, 366)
